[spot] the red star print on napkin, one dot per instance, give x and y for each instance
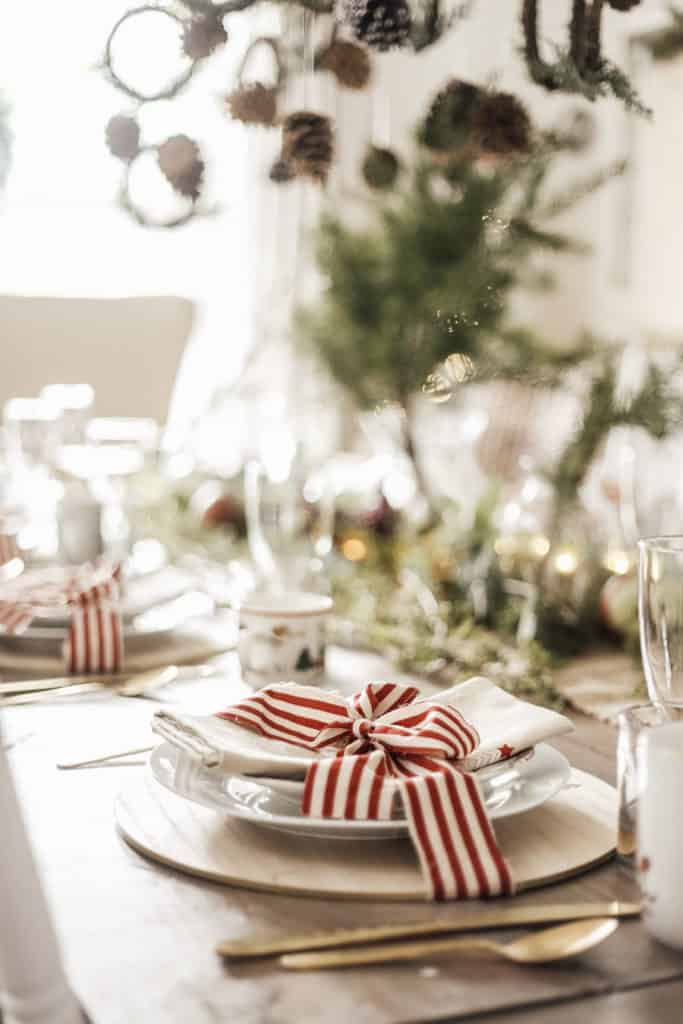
(505, 750)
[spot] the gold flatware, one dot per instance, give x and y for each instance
(466, 921)
(104, 759)
(36, 696)
(142, 682)
(137, 685)
(38, 685)
(558, 943)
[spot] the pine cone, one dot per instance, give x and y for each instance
(448, 124)
(123, 137)
(253, 104)
(381, 24)
(380, 167)
(203, 35)
(281, 172)
(348, 62)
(501, 124)
(181, 164)
(623, 5)
(307, 144)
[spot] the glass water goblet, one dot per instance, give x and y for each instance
(660, 614)
(289, 526)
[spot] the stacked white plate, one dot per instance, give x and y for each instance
(153, 607)
(509, 787)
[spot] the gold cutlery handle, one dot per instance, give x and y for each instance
(464, 921)
(11, 689)
(37, 696)
(385, 953)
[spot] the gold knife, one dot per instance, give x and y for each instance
(36, 696)
(131, 684)
(39, 685)
(500, 917)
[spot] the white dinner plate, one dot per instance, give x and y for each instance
(511, 790)
(142, 593)
(145, 630)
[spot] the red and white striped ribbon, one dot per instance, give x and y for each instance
(382, 740)
(94, 642)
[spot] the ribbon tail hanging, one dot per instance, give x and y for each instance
(453, 837)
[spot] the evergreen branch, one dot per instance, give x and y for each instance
(564, 201)
(523, 230)
(655, 407)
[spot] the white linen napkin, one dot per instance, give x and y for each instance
(506, 725)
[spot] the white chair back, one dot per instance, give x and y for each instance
(128, 349)
(33, 986)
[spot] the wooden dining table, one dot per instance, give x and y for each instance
(139, 939)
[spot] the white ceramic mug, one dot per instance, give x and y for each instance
(660, 831)
(282, 638)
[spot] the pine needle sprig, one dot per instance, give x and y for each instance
(655, 407)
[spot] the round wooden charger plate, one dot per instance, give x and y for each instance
(570, 833)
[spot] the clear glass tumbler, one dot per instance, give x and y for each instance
(660, 613)
(289, 525)
(632, 723)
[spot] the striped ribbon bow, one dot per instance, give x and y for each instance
(94, 642)
(380, 742)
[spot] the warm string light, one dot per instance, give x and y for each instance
(565, 561)
(354, 549)
(532, 546)
(617, 561)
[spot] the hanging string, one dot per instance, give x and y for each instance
(301, 189)
(381, 116)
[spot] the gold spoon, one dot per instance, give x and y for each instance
(538, 947)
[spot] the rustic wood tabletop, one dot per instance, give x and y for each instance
(140, 939)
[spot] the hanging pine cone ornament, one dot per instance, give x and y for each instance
(448, 124)
(501, 124)
(381, 167)
(381, 24)
(203, 35)
(181, 164)
(307, 144)
(253, 104)
(281, 172)
(348, 62)
(123, 137)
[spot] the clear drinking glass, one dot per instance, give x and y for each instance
(289, 524)
(632, 723)
(660, 613)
